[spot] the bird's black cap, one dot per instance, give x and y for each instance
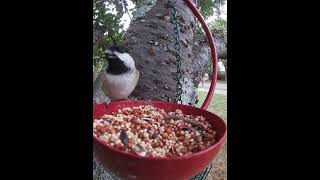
(120, 49)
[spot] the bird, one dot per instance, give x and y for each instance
(121, 76)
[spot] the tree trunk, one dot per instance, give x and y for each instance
(226, 74)
(150, 38)
(98, 94)
(224, 62)
(221, 47)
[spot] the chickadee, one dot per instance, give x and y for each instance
(121, 76)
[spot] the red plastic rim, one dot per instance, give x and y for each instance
(214, 58)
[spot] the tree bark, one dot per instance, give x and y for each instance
(224, 62)
(221, 47)
(225, 67)
(150, 38)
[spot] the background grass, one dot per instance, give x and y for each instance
(218, 106)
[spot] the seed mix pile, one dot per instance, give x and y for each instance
(150, 131)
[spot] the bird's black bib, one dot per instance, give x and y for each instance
(115, 65)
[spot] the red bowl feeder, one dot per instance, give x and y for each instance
(131, 166)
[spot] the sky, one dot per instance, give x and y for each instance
(223, 13)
